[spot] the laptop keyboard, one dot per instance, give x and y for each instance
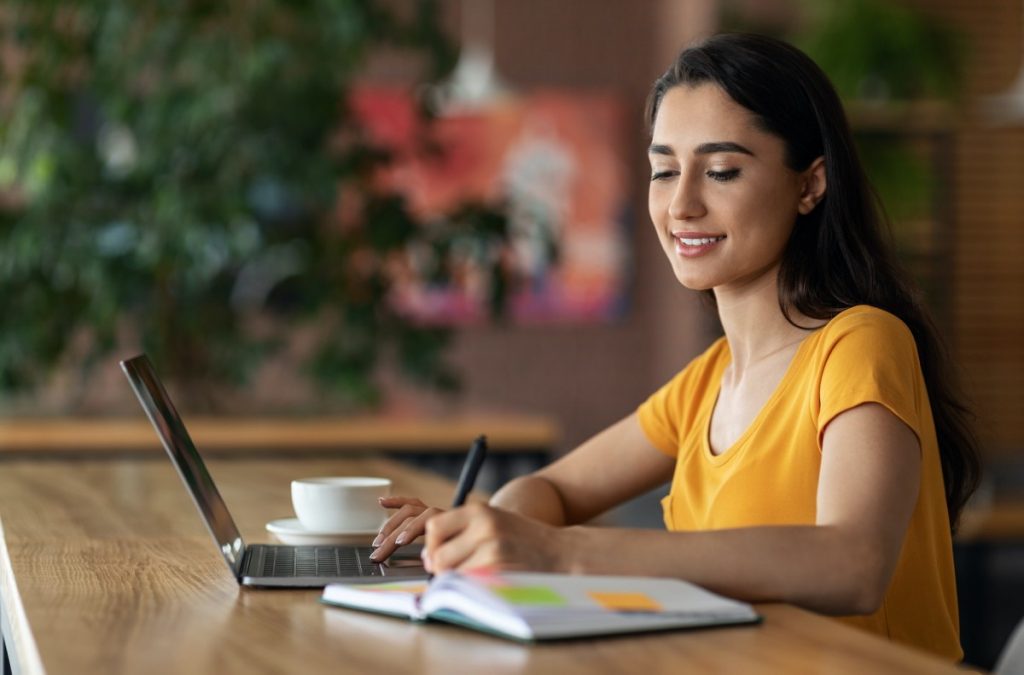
(311, 561)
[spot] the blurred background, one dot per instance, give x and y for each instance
(438, 208)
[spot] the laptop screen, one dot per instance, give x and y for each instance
(185, 457)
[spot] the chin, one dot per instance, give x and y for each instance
(694, 282)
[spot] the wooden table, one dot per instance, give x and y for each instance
(390, 433)
(517, 443)
(998, 521)
(92, 582)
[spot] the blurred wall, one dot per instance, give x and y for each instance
(988, 213)
(587, 376)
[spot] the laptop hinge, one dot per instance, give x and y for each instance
(243, 565)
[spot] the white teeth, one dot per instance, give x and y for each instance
(700, 242)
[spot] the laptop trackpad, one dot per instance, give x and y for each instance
(404, 561)
(407, 553)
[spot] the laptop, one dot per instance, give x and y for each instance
(262, 565)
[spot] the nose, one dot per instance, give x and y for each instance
(687, 202)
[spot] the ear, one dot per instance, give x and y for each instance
(813, 184)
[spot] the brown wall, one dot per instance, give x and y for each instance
(988, 204)
(587, 376)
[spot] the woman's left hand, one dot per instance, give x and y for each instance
(478, 535)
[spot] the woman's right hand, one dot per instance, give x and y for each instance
(404, 526)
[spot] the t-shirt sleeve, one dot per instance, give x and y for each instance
(659, 416)
(871, 358)
(668, 414)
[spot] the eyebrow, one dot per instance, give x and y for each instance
(702, 149)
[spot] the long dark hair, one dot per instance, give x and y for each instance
(836, 256)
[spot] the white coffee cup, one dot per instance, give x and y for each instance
(340, 503)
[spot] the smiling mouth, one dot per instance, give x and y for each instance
(701, 241)
(691, 247)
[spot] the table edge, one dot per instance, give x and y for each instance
(18, 639)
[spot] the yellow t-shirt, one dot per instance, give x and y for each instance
(770, 475)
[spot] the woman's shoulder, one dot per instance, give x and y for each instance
(866, 321)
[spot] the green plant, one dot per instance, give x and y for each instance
(890, 63)
(877, 50)
(884, 54)
(186, 176)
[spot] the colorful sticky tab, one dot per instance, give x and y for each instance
(396, 588)
(625, 602)
(489, 575)
(529, 595)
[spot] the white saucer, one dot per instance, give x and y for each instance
(291, 531)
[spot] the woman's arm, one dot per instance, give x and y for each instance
(841, 565)
(615, 465)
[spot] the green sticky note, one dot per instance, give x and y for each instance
(529, 595)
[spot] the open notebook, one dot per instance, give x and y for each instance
(530, 606)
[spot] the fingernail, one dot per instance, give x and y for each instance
(375, 556)
(402, 538)
(377, 540)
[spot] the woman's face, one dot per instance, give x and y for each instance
(722, 199)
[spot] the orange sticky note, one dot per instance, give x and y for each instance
(625, 602)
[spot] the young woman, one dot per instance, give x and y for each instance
(818, 453)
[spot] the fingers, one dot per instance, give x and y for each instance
(395, 501)
(478, 535)
(386, 545)
(447, 526)
(464, 553)
(462, 537)
(406, 533)
(407, 507)
(405, 525)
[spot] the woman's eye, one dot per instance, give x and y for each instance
(661, 175)
(722, 176)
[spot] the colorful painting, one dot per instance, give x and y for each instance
(553, 161)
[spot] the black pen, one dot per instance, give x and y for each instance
(474, 460)
(471, 467)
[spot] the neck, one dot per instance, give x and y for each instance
(754, 324)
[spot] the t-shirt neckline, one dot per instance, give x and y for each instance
(738, 444)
